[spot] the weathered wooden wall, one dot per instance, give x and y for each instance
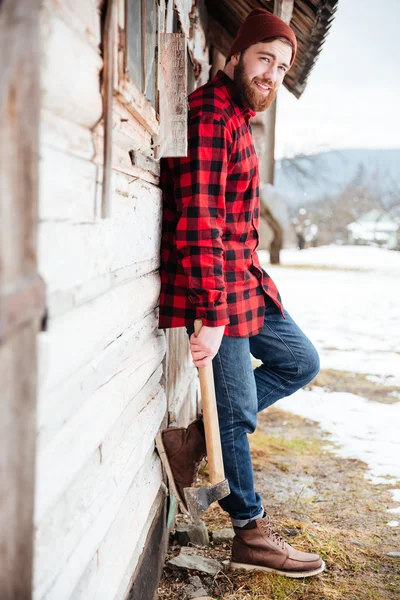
(102, 391)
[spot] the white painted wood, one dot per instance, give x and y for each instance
(73, 89)
(126, 578)
(194, 30)
(78, 337)
(58, 406)
(92, 500)
(124, 122)
(81, 15)
(184, 398)
(184, 8)
(121, 160)
(61, 134)
(137, 104)
(86, 429)
(67, 187)
(172, 75)
(284, 9)
(123, 543)
(71, 255)
(59, 303)
(102, 396)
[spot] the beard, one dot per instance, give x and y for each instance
(249, 94)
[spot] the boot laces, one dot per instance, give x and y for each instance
(267, 529)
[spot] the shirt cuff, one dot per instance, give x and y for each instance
(213, 317)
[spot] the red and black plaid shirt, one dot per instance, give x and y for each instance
(209, 265)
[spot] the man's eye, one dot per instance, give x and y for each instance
(283, 69)
(265, 58)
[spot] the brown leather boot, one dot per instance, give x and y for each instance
(257, 547)
(184, 450)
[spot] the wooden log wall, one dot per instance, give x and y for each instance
(102, 368)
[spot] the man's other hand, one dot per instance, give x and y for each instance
(206, 345)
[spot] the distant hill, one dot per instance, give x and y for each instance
(330, 172)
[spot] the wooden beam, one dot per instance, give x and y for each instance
(284, 9)
(172, 71)
(19, 156)
(107, 93)
(218, 36)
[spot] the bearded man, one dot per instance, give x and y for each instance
(210, 271)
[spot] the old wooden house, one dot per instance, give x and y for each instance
(92, 94)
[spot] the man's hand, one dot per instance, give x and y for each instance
(206, 345)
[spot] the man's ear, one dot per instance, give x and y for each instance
(235, 58)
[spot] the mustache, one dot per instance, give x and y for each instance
(269, 83)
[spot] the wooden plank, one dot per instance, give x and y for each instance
(147, 163)
(124, 542)
(62, 302)
(138, 105)
(106, 540)
(84, 513)
(82, 17)
(172, 70)
(218, 36)
(103, 320)
(182, 408)
(122, 162)
(21, 304)
(125, 123)
(64, 89)
(19, 140)
(87, 428)
(67, 188)
(61, 134)
(101, 249)
(181, 376)
(58, 406)
(284, 9)
(107, 95)
(147, 575)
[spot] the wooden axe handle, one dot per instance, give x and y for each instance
(210, 417)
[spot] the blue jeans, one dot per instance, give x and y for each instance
(289, 362)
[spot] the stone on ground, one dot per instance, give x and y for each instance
(195, 562)
(190, 532)
(194, 588)
(221, 536)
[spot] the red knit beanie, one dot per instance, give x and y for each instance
(260, 25)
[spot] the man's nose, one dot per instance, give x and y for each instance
(271, 73)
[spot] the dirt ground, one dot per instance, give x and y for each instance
(320, 503)
(368, 386)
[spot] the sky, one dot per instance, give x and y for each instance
(352, 98)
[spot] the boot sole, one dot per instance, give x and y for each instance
(235, 566)
(164, 459)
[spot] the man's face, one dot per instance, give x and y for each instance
(259, 71)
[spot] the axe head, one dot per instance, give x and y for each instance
(200, 498)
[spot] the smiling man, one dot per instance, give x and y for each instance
(210, 270)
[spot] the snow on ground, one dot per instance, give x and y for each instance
(346, 299)
(353, 317)
(343, 257)
(363, 429)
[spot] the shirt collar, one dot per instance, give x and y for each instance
(222, 80)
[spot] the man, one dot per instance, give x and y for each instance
(210, 270)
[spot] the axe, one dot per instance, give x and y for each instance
(200, 498)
